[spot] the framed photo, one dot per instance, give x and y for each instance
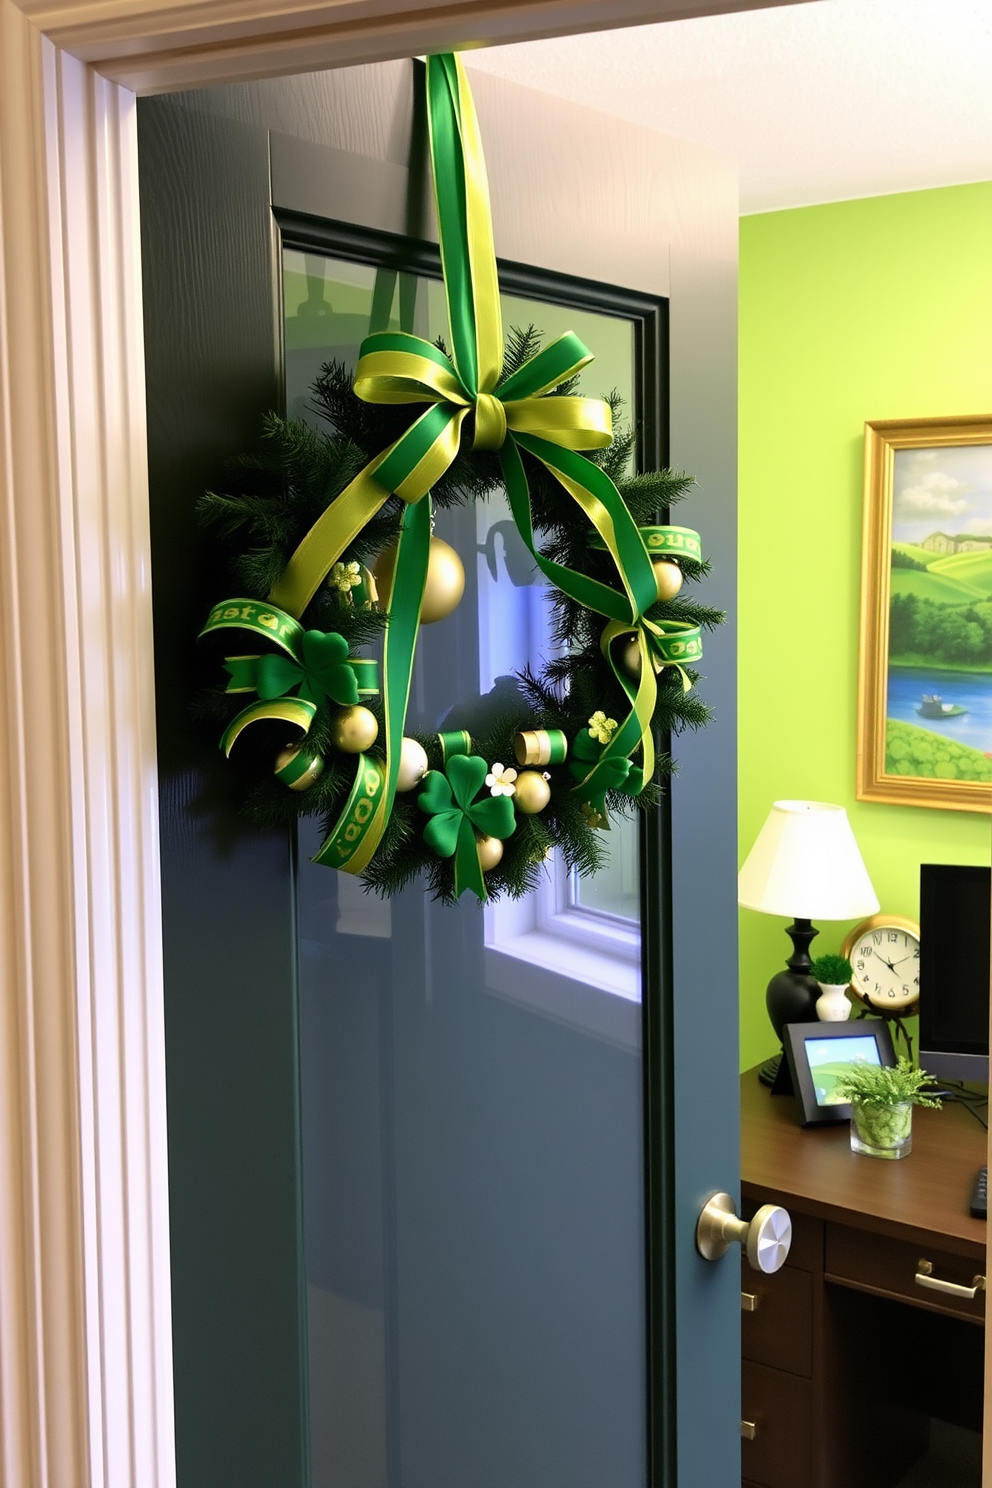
(819, 1053)
(925, 685)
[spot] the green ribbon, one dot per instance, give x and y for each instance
(665, 542)
(454, 741)
(450, 800)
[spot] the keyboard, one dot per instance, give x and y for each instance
(979, 1205)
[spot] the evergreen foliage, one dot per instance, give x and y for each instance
(273, 497)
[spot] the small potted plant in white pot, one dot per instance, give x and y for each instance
(882, 1101)
(834, 976)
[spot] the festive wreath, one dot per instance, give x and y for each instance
(334, 556)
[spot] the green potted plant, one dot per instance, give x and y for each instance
(834, 976)
(882, 1101)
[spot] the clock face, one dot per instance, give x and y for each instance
(885, 959)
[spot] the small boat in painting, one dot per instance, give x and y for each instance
(933, 706)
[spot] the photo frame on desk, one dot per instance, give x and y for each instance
(818, 1053)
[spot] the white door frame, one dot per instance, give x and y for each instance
(85, 1345)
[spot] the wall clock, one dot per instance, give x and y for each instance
(884, 952)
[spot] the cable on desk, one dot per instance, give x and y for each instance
(972, 1100)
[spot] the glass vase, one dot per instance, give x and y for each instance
(882, 1131)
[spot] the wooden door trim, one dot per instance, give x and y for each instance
(153, 46)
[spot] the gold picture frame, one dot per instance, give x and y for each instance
(921, 473)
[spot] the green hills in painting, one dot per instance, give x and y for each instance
(918, 752)
(941, 608)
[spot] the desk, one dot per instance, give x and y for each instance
(825, 1413)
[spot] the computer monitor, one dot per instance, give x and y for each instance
(954, 971)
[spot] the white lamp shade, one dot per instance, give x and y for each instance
(806, 864)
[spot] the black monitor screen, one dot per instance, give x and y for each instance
(954, 961)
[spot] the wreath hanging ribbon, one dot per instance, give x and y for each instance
(466, 391)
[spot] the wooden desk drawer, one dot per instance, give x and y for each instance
(779, 1329)
(876, 1263)
(780, 1406)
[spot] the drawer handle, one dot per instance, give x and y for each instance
(925, 1278)
(749, 1430)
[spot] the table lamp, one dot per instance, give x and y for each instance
(804, 864)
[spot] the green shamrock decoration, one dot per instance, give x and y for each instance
(618, 773)
(323, 671)
(449, 799)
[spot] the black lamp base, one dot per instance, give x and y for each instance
(791, 998)
(775, 1074)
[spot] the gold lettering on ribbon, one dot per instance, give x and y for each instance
(360, 812)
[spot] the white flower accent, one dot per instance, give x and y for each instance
(602, 728)
(500, 780)
(345, 577)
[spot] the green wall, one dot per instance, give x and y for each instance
(859, 310)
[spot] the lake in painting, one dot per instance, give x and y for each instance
(940, 620)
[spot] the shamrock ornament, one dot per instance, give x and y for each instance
(618, 773)
(344, 577)
(602, 728)
(322, 671)
(456, 817)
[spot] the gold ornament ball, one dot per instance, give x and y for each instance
(490, 852)
(445, 580)
(305, 781)
(631, 658)
(413, 765)
(532, 792)
(354, 729)
(667, 577)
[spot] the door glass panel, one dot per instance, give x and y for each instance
(471, 1089)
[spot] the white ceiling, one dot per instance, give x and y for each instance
(818, 102)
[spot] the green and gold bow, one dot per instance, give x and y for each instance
(321, 670)
(456, 816)
(311, 664)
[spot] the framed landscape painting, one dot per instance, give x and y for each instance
(925, 686)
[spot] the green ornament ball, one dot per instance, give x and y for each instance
(292, 769)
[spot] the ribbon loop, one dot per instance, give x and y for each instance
(490, 423)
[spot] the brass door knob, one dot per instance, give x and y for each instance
(766, 1238)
